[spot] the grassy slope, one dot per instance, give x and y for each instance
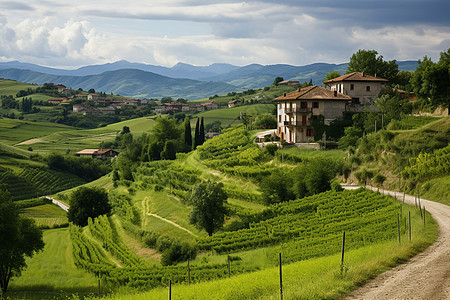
(46, 215)
(312, 279)
(52, 271)
(229, 116)
(11, 87)
(435, 189)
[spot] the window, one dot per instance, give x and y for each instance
(315, 104)
(279, 119)
(368, 88)
(310, 132)
(303, 104)
(352, 86)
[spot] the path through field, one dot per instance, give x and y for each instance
(172, 223)
(425, 276)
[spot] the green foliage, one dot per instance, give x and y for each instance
(271, 148)
(208, 199)
(87, 168)
(430, 80)
(277, 80)
(367, 61)
(429, 165)
(332, 75)
(265, 121)
(87, 203)
(178, 253)
(19, 237)
(276, 187)
(187, 135)
(314, 225)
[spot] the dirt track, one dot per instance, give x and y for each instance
(425, 276)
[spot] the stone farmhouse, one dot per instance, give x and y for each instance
(361, 87)
(295, 109)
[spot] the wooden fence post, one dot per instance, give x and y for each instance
(424, 216)
(170, 289)
(398, 228)
(342, 252)
(99, 288)
(281, 276)
(409, 216)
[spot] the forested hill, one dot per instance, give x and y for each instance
(128, 83)
(180, 81)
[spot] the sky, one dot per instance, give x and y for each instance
(70, 34)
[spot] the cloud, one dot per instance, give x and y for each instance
(59, 33)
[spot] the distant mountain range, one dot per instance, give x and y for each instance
(180, 81)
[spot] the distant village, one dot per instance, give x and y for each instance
(94, 103)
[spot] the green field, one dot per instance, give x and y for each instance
(46, 216)
(52, 273)
(11, 87)
(230, 116)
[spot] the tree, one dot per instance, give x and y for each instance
(277, 80)
(332, 75)
(187, 135)
(368, 62)
(265, 121)
(196, 134)
(87, 202)
(208, 199)
(430, 80)
(19, 237)
(201, 133)
(276, 188)
(169, 152)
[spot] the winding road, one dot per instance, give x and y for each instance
(425, 276)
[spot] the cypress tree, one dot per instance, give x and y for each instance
(196, 137)
(202, 133)
(187, 135)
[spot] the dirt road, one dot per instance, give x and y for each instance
(425, 276)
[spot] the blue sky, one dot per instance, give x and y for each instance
(70, 34)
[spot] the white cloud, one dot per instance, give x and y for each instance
(265, 31)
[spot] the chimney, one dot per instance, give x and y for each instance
(375, 75)
(299, 89)
(363, 74)
(335, 93)
(284, 94)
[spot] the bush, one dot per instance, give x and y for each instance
(271, 149)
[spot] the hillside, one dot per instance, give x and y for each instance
(128, 83)
(226, 77)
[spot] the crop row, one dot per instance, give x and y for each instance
(88, 255)
(364, 213)
(101, 228)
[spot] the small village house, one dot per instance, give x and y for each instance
(98, 153)
(295, 109)
(359, 86)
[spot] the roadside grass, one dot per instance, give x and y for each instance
(436, 189)
(51, 273)
(46, 216)
(318, 278)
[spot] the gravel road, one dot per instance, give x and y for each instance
(425, 276)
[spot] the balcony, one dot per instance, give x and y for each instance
(299, 110)
(297, 123)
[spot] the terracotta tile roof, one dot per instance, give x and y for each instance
(356, 76)
(313, 93)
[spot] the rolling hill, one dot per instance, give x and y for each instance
(128, 83)
(180, 81)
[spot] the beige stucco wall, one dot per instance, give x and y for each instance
(359, 90)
